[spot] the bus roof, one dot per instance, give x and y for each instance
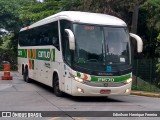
(81, 17)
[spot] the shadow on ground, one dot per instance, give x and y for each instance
(76, 98)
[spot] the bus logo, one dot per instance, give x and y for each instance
(44, 54)
(108, 68)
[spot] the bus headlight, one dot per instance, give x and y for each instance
(128, 80)
(81, 80)
(78, 79)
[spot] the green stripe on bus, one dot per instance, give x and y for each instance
(115, 78)
(22, 53)
(78, 74)
(52, 57)
(94, 78)
(41, 54)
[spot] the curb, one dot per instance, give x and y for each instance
(141, 93)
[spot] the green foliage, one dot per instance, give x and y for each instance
(153, 9)
(8, 51)
(69, 5)
(10, 56)
(158, 38)
(38, 11)
(146, 87)
(9, 13)
(1, 41)
(10, 21)
(148, 27)
(7, 41)
(158, 68)
(158, 45)
(30, 14)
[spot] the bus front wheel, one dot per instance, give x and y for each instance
(57, 91)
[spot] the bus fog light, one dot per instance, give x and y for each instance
(80, 90)
(128, 81)
(127, 91)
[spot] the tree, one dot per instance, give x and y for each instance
(36, 12)
(33, 13)
(9, 20)
(149, 26)
(125, 9)
(9, 17)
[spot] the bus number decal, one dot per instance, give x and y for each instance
(105, 79)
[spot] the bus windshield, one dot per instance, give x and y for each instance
(100, 46)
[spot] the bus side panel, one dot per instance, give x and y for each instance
(39, 73)
(47, 67)
(66, 78)
(57, 66)
(21, 61)
(19, 65)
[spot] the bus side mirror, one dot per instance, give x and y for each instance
(139, 42)
(71, 39)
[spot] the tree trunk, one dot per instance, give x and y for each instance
(135, 18)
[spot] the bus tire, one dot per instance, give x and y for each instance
(22, 69)
(26, 75)
(57, 91)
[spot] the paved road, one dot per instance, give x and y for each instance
(16, 95)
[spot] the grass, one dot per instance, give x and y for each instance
(146, 87)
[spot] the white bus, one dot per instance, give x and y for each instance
(78, 53)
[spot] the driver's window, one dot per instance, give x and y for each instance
(65, 40)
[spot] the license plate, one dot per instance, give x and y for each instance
(105, 91)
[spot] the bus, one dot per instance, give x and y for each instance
(78, 53)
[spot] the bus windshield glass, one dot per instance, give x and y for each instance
(99, 46)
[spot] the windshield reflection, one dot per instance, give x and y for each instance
(98, 46)
(117, 45)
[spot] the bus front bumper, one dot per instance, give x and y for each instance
(80, 89)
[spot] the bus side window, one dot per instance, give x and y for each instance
(39, 38)
(24, 40)
(32, 37)
(45, 39)
(54, 41)
(49, 34)
(54, 35)
(28, 38)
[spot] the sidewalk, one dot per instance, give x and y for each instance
(144, 93)
(18, 77)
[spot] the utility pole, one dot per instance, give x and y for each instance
(135, 17)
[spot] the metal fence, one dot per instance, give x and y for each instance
(145, 76)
